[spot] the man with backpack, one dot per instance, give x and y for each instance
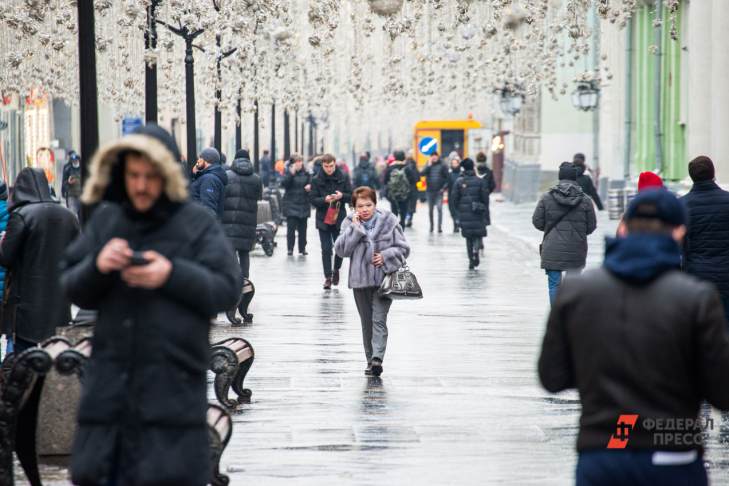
(566, 216)
(436, 179)
(398, 180)
(364, 173)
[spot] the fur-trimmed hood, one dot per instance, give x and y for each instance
(152, 141)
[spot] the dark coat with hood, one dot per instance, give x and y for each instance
(436, 176)
(585, 182)
(144, 398)
(323, 185)
(208, 189)
(296, 198)
(706, 247)
(565, 246)
(365, 175)
(469, 189)
(637, 335)
(240, 204)
(410, 173)
(37, 234)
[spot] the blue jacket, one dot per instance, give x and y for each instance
(208, 189)
(706, 248)
(4, 215)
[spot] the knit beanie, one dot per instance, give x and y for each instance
(467, 164)
(567, 172)
(649, 179)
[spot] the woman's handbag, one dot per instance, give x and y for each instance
(332, 214)
(400, 284)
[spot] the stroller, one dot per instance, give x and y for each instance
(266, 227)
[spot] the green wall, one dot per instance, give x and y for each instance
(674, 139)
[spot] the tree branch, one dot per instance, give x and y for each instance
(172, 29)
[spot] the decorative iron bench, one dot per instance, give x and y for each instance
(21, 383)
(230, 361)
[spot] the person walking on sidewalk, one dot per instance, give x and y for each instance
(706, 249)
(453, 175)
(639, 337)
(297, 184)
(208, 182)
(157, 268)
(37, 233)
(4, 216)
(585, 181)
(330, 190)
(71, 183)
(412, 164)
(240, 208)
(471, 197)
(566, 216)
(436, 179)
(399, 179)
(374, 242)
(364, 174)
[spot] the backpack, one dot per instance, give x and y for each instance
(398, 187)
(362, 178)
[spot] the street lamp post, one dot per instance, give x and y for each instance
(586, 97)
(287, 135)
(312, 126)
(256, 141)
(273, 133)
(150, 69)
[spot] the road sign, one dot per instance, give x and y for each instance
(129, 124)
(428, 145)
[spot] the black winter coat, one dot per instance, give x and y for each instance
(706, 247)
(296, 199)
(410, 172)
(585, 182)
(565, 246)
(144, 396)
(37, 234)
(436, 176)
(208, 188)
(322, 186)
(469, 189)
(365, 175)
(240, 205)
(657, 350)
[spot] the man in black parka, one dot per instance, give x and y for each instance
(142, 417)
(240, 208)
(297, 183)
(331, 188)
(38, 231)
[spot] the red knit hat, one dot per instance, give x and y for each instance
(649, 179)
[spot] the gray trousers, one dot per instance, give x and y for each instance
(373, 311)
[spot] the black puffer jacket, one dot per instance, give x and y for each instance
(365, 175)
(240, 205)
(296, 199)
(565, 246)
(37, 234)
(706, 247)
(322, 186)
(208, 187)
(436, 176)
(469, 189)
(144, 396)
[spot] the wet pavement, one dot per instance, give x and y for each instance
(459, 401)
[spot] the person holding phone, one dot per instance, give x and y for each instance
(330, 190)
(375, 244)
(156, 281)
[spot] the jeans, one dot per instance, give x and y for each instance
(554, 280)
(400, 208)
(294, 225)
(373, 311)
(327, 239)
(435, 199)
(245, 263)
(74, 204)
(635, 468)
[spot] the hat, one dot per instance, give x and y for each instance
(701, 169)
(3, 191)
(467, 164)
(567, 171)
(243, 154)
(73, 156)
(656, 203)
(210, 155)
(649, 179)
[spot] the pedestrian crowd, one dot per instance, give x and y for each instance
(165, 250)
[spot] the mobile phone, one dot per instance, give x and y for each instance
(138, 259)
